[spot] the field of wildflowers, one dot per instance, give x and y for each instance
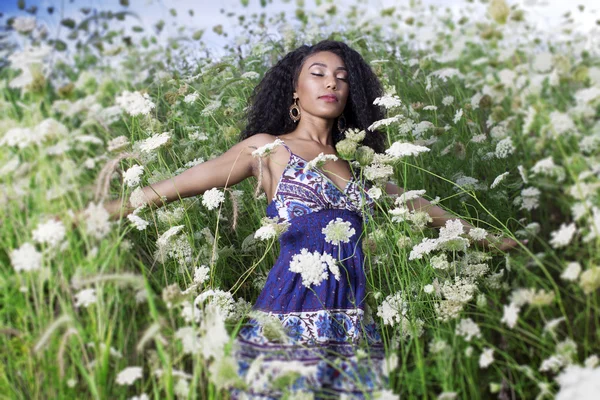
(490, 119)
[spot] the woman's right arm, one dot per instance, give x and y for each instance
(226, 170)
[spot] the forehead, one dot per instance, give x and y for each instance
(331, 60)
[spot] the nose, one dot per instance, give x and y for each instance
(331, 84)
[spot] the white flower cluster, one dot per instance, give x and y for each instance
(498, 179)
(26, 258)
(139, 223)
(400, 149)
(561, 124)
(133, 175)
(154, 142)
(117, 143)
(271, 228)
(355, 134)
(388, 101)
(563, 236)
(85, 297)
(383, 122)
(547, 167)
(212, 198)
(319, 160)
(97, 221)
(529, 198)
(314, 267)
(393, 309)
(135, 103)
(578, 382)
(267, 149)
(377, 171)
(190, 98)
(51, 232)
(24, 137)
(504, 148)
(468, 329)
(338, 231)
(129, 375)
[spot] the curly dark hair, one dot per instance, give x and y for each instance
(272, 97)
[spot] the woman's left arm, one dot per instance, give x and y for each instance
(439, 217)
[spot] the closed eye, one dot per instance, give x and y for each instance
(341, 79)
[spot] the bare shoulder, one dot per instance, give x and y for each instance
(259, 139)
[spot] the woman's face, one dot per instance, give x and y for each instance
(323, 74)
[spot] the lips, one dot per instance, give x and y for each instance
(329, 97)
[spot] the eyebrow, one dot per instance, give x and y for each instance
(323, 65)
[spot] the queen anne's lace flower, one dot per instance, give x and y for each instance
(486, 358)
(133, 175)
(51, 232)
(314, 267)
(563, 236)
(212, 198)
(338, 231)
(135, 103)
(85, 297)
(155, 142)
(398, 149)
(267, 149)
(26, 258)
(388, 101)
(129, 375)
(468, 329)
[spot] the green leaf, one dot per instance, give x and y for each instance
(68, 22)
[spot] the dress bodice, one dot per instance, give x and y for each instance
(301, 191)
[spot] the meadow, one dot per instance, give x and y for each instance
(147, 306)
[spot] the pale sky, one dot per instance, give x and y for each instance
(546, 14)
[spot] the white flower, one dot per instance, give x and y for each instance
(486, 358)
(313, 267)
(478, 233)
(265, 233)
(458, 116)
(85, 297)
(430, 108)
(154, 142)
(190, 98)
(97, 220)
(530, 198)
(133, 175)
(578, 383)
(138, 222)
(383, 122)
(388, 101)
(447, 100)
(319, 160)
(211, 108)
(378, 172)
(468, 329)
(374, 193)
(338, 231)
(498, 179)
(425, 247)
(117, 143)
(428, 289)
(399, 149)
(511, 314)
(355, 134)
(393, 309)
(408, 196)
(212, 198)
(504, 148)
(137, 198)
(561, 123)
(129, 375)
(23, 24)
(201, 274)
(267, 149)
(26, 258)
(563, 236)
(134, 103)
(51, 232)
(440, 262)
(571, 272)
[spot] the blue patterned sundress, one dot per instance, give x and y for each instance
(330, 329)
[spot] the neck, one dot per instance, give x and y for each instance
(315, 129)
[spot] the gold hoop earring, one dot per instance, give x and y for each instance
(341, 123)
(294, 106)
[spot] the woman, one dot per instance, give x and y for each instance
(307, 101)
